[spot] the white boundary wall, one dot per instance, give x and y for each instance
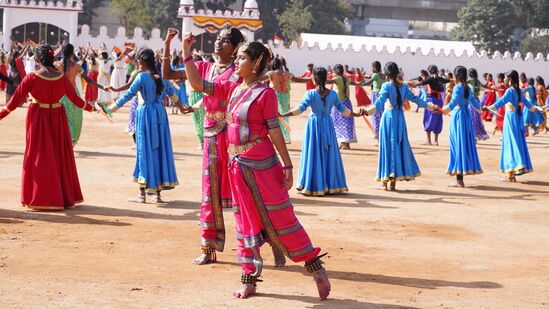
(411, 61)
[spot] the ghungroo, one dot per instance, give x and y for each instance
(249, 279)
(315, 264)
(207, 250)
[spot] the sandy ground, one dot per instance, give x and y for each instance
(425, 246)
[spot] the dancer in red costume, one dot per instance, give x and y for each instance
(259, 183)
(490, 99)
(501, 111)
(50, 180)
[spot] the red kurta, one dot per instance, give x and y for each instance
(501, 111)
(490, 100)
(50, 180)
(310, 85)
(362, 98)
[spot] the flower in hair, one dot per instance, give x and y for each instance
(50, 52)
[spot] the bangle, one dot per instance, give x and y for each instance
(287, 167)
(165, 57)
(187, 59)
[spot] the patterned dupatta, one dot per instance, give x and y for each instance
(241, 100)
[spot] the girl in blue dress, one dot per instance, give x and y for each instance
(396, 159)
(321, 168)
(531, 119)
(154, 167)
(463, 148)
(515, 159)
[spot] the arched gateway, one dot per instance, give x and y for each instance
(40, 21)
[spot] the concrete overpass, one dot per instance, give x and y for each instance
(404, 18)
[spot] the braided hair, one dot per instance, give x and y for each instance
(473, 74)
(513, 76)
(320, 75)
(45, 55)
(68, 53)
(258, 53)
(146, 56)
(391, 71)
(460, 73)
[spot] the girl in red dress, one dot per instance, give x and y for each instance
(501, 111)
(362, 98)
(490, 89)
(3, 69)
(259, 183)
(50, 180)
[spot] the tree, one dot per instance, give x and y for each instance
(488, 23)
(535, 44)
(132, 13)
(163, 13)
(296, 18)
(328, 16)
(88, 14)
(269, 10)
(214, 6)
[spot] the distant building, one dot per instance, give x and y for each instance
(427, 19)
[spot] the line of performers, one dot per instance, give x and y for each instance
(244, 142)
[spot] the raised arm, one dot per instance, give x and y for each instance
(167, 71)
(196, 81)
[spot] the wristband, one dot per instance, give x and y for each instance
(287, 167)
(187, 59)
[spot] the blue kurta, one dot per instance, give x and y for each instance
(321, 168)
(531, 118)
(396, 159)
(154, 165)
(514, 150)
(463, 148)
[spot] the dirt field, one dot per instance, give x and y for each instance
(425, 246)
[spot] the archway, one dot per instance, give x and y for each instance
(40, 33)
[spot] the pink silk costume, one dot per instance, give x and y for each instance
(262, 207)
(216, 191)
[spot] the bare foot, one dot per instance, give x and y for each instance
(507, 180)
(204, 259)
(393, 185)
(322, 283)
(456, 185)
(158, 200)
(436, 143)
(280, 259)
(383, 186)
(246, 290)
(427, 144)
(139, 199)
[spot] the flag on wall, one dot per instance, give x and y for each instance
(277, 41)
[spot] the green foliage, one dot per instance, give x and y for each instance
(535, 44)
(214, 6)
(132, 13)
(296, 18)
(328, 16)
(88, 14)
(163, 13)
(269, 9)
(487, 23)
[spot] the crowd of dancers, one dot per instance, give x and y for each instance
(240, 109)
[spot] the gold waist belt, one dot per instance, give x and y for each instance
(216, 116)
(47, 105)
(235, 150)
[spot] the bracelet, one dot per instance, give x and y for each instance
(287, 167)
(165, 57)
(187, 59)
